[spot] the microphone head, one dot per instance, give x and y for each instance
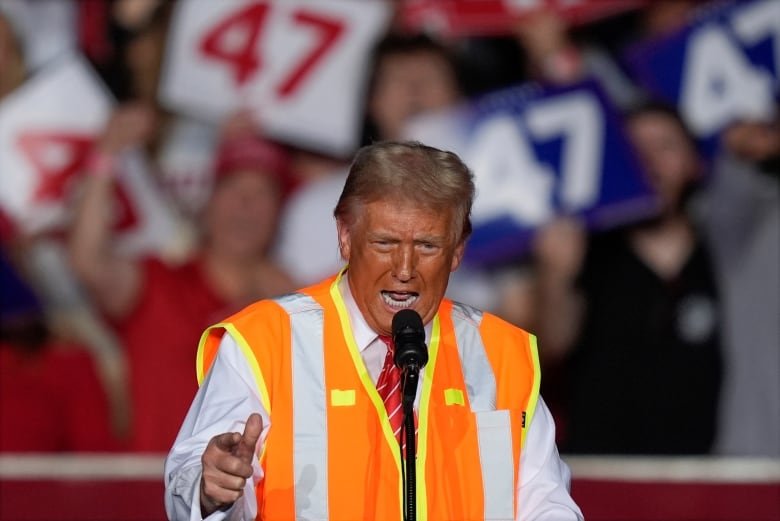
(409, 339)
(407, 320)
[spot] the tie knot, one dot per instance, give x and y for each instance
(388, 342)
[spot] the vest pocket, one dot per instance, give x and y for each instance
(494, 432)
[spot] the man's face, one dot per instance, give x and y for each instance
(400, 256)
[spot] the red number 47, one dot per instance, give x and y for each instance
(219, 43)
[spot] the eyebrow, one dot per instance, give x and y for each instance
(389, 237)
(432, 239)
(386, 236)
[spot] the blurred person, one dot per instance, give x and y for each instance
(51, 398)
(663, 18)
(411, 74)
(273, 369)
(180, 147)
(555, 57)
(12, 69)
(634, 313)
(136, 31)
(741, 211)
(159, 308)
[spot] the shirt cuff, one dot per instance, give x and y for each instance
(186, 498)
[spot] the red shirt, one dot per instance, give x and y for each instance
(161, 338)
(51, 400)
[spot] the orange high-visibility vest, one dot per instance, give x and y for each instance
(330, 451)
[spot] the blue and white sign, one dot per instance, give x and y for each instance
(723, 66)
(539, 153)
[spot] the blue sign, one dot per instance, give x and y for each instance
(537, 153)
(721, 67)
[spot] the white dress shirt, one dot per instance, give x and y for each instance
(228, 395)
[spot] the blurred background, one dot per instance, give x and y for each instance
(163, 164)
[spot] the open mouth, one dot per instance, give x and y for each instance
(400, 299)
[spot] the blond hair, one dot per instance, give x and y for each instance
(409, 171)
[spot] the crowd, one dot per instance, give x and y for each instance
(660, 336)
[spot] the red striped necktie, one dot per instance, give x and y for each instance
(388, 385)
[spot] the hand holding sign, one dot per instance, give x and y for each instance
(130, 125)
(227, 464)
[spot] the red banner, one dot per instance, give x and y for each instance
(497, 17)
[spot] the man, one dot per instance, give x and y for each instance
(297, 375)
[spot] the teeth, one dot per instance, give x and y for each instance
(399, 304)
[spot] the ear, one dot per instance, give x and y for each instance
(457, 255)
(345, 239)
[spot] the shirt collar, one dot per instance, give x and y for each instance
(362, 332)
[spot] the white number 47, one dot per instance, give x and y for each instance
(511, 180)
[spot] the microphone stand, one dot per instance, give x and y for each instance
(410, 356)
(411, 376)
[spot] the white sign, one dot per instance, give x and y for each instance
(301, 65)
(47, 127)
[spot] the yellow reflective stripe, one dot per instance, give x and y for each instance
(425, 398)
(454, 397)
(365, 378)
(199, 356)
(248, 354)
(534, 397)
(251, 360)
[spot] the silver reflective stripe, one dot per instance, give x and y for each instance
(494, 429)
(310, 438)
(477, 371)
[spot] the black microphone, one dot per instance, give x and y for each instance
(409, 340)
(411, 354)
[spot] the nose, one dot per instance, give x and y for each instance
(404, 263)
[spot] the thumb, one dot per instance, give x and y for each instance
(246, 446)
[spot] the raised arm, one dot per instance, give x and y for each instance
(560, 251)
(114, 281)
(208, 460)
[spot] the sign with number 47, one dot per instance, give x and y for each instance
(537, 153)
(299, 65)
